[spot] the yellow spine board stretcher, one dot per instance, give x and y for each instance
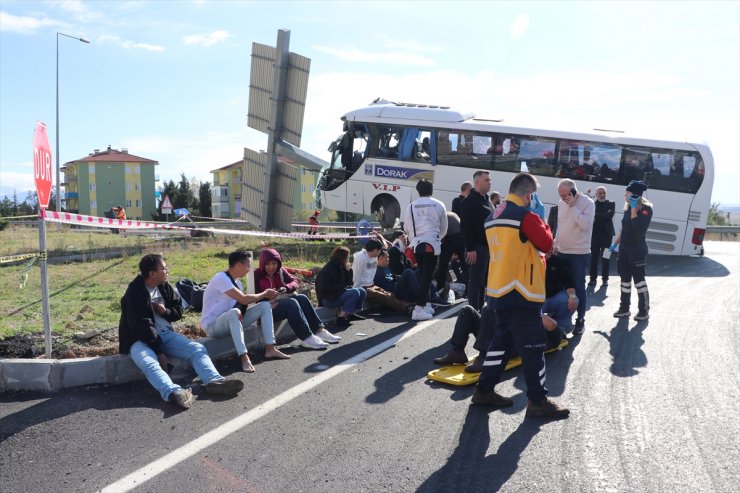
(456, 374)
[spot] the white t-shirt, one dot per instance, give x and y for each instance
(363, 269)
(429, 222)
(215, 299)
(156, 297)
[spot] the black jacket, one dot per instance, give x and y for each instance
(474, 211)
(603, 225)
(557, 277)
(137, 315)
(634, 230)
(457, 204)
(332, 281)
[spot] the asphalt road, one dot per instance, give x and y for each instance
(654, 408)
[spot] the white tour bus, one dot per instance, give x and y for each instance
(387, 147)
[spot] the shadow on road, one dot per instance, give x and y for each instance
(469, 469)
(665, 266)
(392, 383)
(116, 399)
(625, 346)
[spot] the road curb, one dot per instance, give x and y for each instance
(51, 375)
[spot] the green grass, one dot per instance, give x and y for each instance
(86, 295)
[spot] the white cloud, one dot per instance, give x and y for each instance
(78, 8)
(129, 44)
(393, 57)
(194, 155)
(19, 181)
(519, 26)
(206, 39)
(24, 24)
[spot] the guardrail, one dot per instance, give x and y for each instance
(730, 232)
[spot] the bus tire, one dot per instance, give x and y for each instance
(388, 210)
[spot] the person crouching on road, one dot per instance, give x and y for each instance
(225, 309)
(425, 222)
(297, 308)
(518, 239)
(145, 333)
(633, 250)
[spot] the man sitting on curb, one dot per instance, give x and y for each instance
(364, 267)
(145, 333)
(222, 309)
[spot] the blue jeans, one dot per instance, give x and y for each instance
(350, 301)
(174, 345)
(557, 307)
(228, 323)
(578, 264)
(300, 314)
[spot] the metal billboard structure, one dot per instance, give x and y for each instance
(277, 99)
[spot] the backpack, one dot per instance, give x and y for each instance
(191, 293)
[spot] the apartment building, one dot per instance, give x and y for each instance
(226, 190)
(104, 179)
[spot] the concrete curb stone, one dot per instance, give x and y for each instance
(48, 375)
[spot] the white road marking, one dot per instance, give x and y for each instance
(153, 469)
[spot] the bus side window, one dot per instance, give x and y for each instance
(444, 146)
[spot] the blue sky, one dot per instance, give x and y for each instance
(169, 80)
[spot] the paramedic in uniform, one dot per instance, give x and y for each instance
(633, 250)
(518, 240)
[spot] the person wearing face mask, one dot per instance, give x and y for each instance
(633, 250)
(518, 239)
(601, 237)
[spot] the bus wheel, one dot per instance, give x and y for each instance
(388, 211)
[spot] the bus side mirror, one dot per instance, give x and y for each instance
(332, 146)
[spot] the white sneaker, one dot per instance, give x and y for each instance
(314, 342)
(421, 314)
(429, 308)
(327, 336)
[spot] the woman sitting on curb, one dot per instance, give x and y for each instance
(334, 287)
(295, 307)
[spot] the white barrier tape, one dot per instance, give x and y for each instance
(227, 220)
(323, 226)
(104, 222)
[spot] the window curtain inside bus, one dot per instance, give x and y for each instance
(408, 139)
(433, 148)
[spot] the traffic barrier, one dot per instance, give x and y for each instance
(104, 222)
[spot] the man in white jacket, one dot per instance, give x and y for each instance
(425, 222)
(573, 240)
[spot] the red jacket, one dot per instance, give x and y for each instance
(280, 279)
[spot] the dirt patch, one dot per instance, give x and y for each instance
(105, 343)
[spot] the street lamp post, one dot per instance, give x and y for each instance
(59, 183)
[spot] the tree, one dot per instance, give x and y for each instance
(716, 217)
(185, 197)
(204, 195)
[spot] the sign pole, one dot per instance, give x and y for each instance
(44, 283)
(42, 178)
